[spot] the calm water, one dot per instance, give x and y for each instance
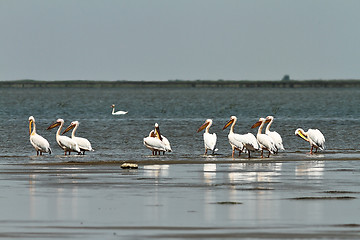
(182, 195)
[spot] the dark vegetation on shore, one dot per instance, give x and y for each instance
(181, 84)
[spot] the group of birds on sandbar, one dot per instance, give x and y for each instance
(270, 141)
(73, 144)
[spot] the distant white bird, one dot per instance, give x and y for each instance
(274, 135)
(40, 144)
(117, 112)
(66, 143)
(156, 142)
(241, 141)
(209, 138)
(265, 141)
(314, 137)
(83, 143)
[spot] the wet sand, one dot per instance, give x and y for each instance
(293, 195)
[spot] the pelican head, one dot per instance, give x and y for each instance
(269, 118)
(55, 124)
(31, 120)
(207, 123)
(258, 123)
(157, 131)
(301, 133)
(232, 120)
(72, 125)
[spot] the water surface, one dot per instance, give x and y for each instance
(184, 194)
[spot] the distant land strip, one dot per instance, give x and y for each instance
(182, 84)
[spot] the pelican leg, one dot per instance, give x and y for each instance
(205, 151)
(262, 153)
(269, 154)
(233, 152)
(316, 150)
(311, 150)
(249, 153)
(37, 153)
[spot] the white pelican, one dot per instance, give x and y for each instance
(314, 137)
(209, 138)
(83, 143)
(40, 144)
(274, 135)
(265, 141)
(64, 142)
(239, 142)
(117, 112)
(156, 142)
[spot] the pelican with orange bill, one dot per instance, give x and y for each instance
(65, 143)
(265, 141)
(240, 141)
(274, 135)
(209, 138)
(83, 143)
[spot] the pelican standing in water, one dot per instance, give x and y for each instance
(209, 138)
(314, 137)
(274, 135)
(156, 142)
(83, 143)
(240, 141)
(117, 112)
(265, 141)
(66, 143)
(40, 144)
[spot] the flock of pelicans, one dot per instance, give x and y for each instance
(270, 141)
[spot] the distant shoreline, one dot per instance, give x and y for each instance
(181, 84)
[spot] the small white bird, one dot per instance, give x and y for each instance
(117, 112)
(274, 135)
(265, 141)
(66, 143)
(314, 137)
(39, 143)
(241, 141)
(83, 143)
(209, 138)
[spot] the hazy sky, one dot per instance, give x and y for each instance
(173, 39)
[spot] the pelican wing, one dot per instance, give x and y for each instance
(236, 140)
(83, 143)
(277, 139)
(154, 144)
(250, 142)
(210, 140)
(40, 143)
(68, 144)
(166, 143)
(317, 138)
(266, 142)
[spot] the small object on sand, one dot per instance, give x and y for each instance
(129, 165)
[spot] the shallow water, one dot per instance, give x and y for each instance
(184, 194)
